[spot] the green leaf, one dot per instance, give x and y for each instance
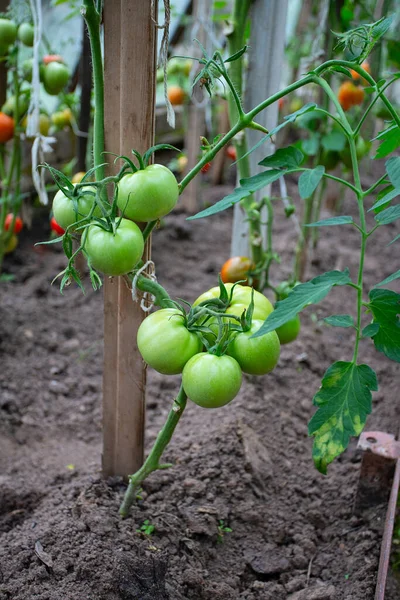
(390, 141)
(393, 170)
(388, 215)
(340, 321)
(284, 158)
(394, 240)
(236, 55)
(311, 144)
(247, 187)
(370, 330)
(334, 141)
(344, 220)
(381, 27)
(385, 306)
(389, 279)
(303, 295)
(344, 401)
(385, 199)
(309, 180)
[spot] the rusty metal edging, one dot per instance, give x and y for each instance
(387, 536)
(381, 457)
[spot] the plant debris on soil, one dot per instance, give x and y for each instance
(246, 467)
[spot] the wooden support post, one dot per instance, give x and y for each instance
(130, 37)
(268, 19)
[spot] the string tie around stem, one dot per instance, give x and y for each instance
(147, 301)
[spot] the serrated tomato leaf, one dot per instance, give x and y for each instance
(303, 295)
(389, 141)
(393, 170)
(388, 215)
(389, 279)
(290, 157)
(247, 187)
(344, 220)
(309, 180)
(344, 401)
(385, 306)
(340, 321)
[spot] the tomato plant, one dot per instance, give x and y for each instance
(165, 343)
(148, 194)
(117, 251)
(211, 381)
(239, 300)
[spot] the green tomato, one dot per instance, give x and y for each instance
(362, 149)
(67, 213)
(55, 78)
(9, 106)
(256, 356)
(114, 253)
(211, 381)
(289, 331)
(240, 300)
(329, 159)
(27, 68)
(8, 32)
(165, 343)
(148, 194)
(26, 34)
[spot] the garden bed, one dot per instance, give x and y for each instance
(246, 466)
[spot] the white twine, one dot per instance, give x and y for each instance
(163, 56)
(41, 144)
(147, 301)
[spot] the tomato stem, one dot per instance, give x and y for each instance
(152, 462)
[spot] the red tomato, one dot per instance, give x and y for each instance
(52, 58)
(6, 128)
(18, 224)
(56, 227)
(206, 167)
(350, 95)
(231, 152)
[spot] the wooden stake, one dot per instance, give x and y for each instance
(129, 49)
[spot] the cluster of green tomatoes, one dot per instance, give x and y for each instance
(213, 344)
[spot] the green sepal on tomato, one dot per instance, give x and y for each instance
(256, 356)
(114, 252)
(211, 381)
(241, 298)
(67, 211)
(165, 343)
(148, 194)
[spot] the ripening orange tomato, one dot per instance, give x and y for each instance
(236, 269)
(176, 95)
(356, 76)
(350, 95)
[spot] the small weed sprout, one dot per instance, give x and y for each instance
(222, 529)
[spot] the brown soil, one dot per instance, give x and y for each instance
(294, 534)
